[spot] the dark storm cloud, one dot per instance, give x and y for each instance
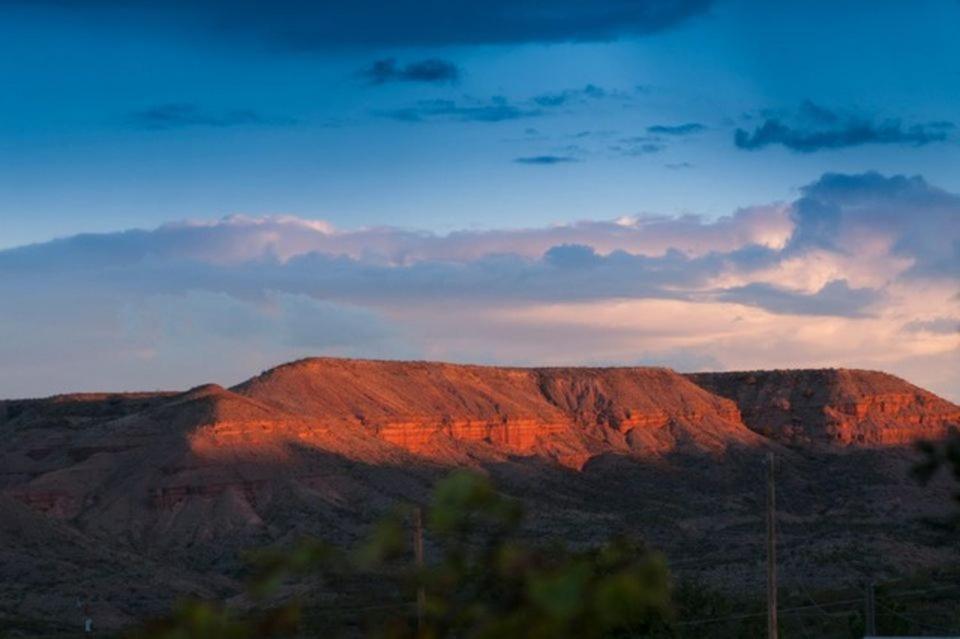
(496, 109)
(172, 116)
(678, 129)
(815, 128)
(433, 70)
(836, 298)
(546, 159)
(316, 25)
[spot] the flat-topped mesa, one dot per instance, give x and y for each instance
(838, 406)
(412, 404)
(191, 463)
(557, 412)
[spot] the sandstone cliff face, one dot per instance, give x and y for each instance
(417, 406)
(836, 406)
(563, 413)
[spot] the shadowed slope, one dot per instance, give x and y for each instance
(834, 405)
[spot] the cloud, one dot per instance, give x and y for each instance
(572, 256)
(569, 96)
(638, 145)
(835, 298)
(815, 128)
(855, 261)
(546, 160)
(432, 70)
(677, 129)
(942, 325)
(884, 217)
(676, 166)
(496, 109)
(240, 239)
(298, 25)
(181, 115)
(655, 140)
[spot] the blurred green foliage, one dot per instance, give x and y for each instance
(193, 620)
(481, 579)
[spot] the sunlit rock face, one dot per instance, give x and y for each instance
(837, 406)
(69, 456)
(556, 413)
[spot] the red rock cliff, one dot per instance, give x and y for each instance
(549, 411)
(839, 406)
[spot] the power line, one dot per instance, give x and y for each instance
(925, 591)
(919, 623)
(815, 607)
(761, 614)
(871, 604)
(800, 585)
(771, 548)
(394, 606)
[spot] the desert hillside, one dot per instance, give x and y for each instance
(189, 480)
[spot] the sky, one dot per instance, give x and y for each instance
(195, 191)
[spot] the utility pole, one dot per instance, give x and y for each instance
(771, 550)
(418, 557)
(871, 612)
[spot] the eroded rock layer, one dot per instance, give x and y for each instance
(552, 412)
(838, 406)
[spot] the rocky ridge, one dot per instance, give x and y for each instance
(323, 446)
(834, 406)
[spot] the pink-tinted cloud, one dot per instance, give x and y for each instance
(860, 270)
(237, 239)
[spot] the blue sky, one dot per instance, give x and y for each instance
(75, 159)
(467, 121)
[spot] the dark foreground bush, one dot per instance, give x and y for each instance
(481, 579)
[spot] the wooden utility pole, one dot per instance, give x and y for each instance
(870, 618)
(418, 557)
(771, 550)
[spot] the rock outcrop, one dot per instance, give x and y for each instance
(835, 406)
(560, 413)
